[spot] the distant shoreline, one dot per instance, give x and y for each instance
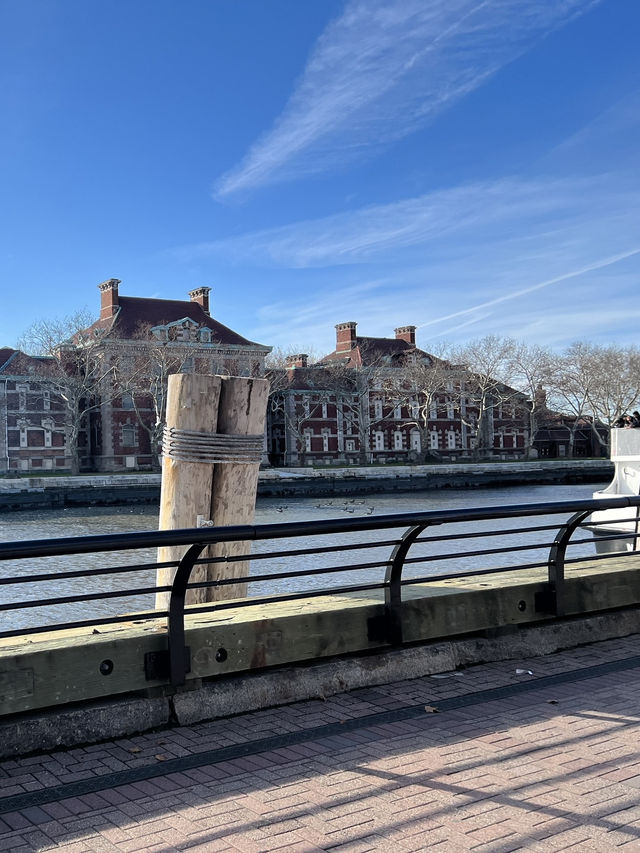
(33, 493)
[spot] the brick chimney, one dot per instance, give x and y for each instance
(345, 337)
(294, 361)
(109, 298)
(406, 333)
(201, 296)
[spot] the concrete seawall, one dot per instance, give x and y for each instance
(127, 489)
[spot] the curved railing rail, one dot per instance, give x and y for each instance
(416, 546)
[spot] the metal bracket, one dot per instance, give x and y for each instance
(545, 602)
(156, 664)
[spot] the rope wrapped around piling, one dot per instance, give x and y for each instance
(188, 445)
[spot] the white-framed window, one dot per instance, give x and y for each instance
(188, 365)
(325, 440)
(433, 440)
(47, 426)
(451, 440)
(205, 336)
(128, 435)
(397, 440)
(22, 397)
(397, 412)
(449, 385)
(433, 410)
(415, 440)
(324, 410)
(377, 408)
(307, 440)
(378, 440)
(46, 400)
(305, 407)
(450, 414)
(414, 409)
(23, 435)
(350, 444)
(127, 401)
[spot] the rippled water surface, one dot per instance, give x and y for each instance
(97, 520)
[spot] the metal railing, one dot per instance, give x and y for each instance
(393, 566)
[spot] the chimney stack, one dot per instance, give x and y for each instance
(294, 361)
(109, 298)
(201, 296)
(345, 337)
(406, 333)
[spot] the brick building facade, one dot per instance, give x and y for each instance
(138, 342)
(384, 400)
(32, 419)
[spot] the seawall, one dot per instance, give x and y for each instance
(128, 489)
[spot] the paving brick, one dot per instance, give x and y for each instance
(511, 773)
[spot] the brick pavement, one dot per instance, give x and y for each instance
(553, 768)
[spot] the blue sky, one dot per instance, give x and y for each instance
(468, 167)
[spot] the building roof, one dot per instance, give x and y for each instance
(135, 313)
(317, 377)
(5, 354)
(13, 362)
(368, 352)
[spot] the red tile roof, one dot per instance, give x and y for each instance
(367, 351)
(18, 363)
(136, 312)
(5, 355)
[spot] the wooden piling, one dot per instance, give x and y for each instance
(241, 411)
(223, 492)
(192, 404)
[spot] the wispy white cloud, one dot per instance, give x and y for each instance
(384, 68)
(516, 294)
(540, 215)
(514, 257)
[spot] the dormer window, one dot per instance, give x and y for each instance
(205, 336)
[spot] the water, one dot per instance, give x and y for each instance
(94, 520)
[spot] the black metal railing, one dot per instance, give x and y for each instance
(396, 561)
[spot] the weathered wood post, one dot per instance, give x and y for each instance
(241, 412)
(211, 457)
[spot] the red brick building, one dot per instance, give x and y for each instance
(149, 339)
(136, 342)
(384, 400)
(32, 419)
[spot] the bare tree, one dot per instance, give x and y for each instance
(79, 371)
(532, 371)
(485, 372)
(615, 389)
(572, 385)
(144, 364)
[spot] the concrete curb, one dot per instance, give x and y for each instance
(121, 717)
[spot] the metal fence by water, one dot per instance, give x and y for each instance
(380, 555)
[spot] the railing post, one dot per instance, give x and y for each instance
(177, 664)
(393, 584)
(556, 560)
